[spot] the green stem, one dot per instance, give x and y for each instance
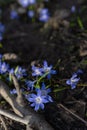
(80, 22)
(61, 89)
(38, 81)
(83, 85)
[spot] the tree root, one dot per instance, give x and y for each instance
(26, 115)
(3, 122)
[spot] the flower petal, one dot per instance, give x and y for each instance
(45, 100)
(31, 99)
(49, 76)
(37, 107)
(49, 98)
(74, 76)
(33, 95)
(38, 92)
(73, 86)
(48, 90)
(32, 105)
(42, 106)
(53, 71)
(68, 82)
(45, 64)
(43, 86)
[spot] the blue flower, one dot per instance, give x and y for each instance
(1, 37)
(30, 84)
(2, 29)
(3, 67)
(48, 69)
(11, 71)
(37, 71)
(44, 15)
(79, 71)
(19, 72)
(73, 9)
(1, 57)
(32, 1)
(37, 100)
(24, 3)
(14, 14)
(13, 91)
(31, 13)
(73, 81)
(45, 91)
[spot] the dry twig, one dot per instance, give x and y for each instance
(73, 114)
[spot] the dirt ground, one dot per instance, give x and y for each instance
(54, 41)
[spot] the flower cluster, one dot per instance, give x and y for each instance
(41, 95)
(44, 70)
(19, 72)
(30, 84)
(43, 13)
(40, 14)
(42, 91)
(36, 91)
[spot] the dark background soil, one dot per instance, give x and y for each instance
(30, 43)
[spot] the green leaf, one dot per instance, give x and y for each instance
(1, 46)
(10, 77)
(16, 69)
(37, 86)
(2, 102)
(59, 89)
(0, 77)
(80, 23)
